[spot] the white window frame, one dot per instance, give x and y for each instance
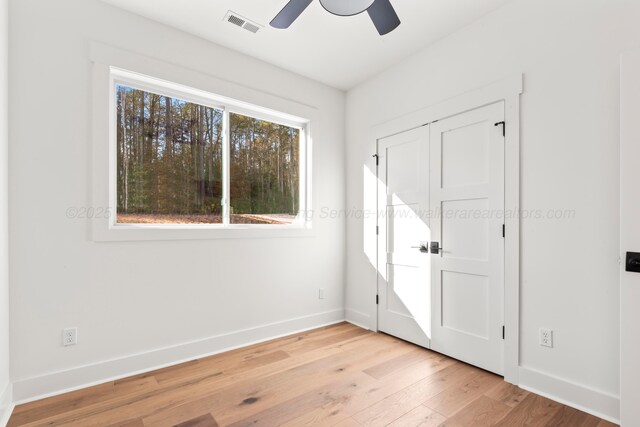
(106, 76)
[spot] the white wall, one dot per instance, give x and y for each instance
(131, 298)
(5, 388)
(569, 53)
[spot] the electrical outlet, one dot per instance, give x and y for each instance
(546, 337)
(69, 336)
(320, 293)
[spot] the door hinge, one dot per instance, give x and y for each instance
(377, 299)
(504, 230)
(503, 332)
(504, 127)
(377, 159)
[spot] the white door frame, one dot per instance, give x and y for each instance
(629, 238)
(509, 91)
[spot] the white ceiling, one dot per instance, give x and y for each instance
(339, 51)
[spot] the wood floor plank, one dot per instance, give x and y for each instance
(339, 375)
(348, 422)
(221, 361)
(196, 370)
(363, 399)
(227, 362)
(129, 423)
(312, 344)
(386, 368)
(508, 394)
(570, 417)
(229, 372)
(481, 412)
(460, 395)
(533, 411)
(206, 420)
(298, 406)
(419, 417)
(394, 406)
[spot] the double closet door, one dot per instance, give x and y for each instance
(440, 241)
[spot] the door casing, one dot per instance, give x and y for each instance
(508, 91)
(629, 239)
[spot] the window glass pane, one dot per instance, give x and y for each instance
(169, 160)
(265, 170)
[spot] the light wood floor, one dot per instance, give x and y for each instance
(335, 376)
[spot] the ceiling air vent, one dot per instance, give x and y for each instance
(238, 20)
(250, 27)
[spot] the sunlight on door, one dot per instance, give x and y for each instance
(404, 281)
(406, 263)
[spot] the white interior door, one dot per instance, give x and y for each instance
(467, 195)
(630, 240)
(404, 292)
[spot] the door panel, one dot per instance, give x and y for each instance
(465, 303)
(403, 279)
(465, 154)
(467, 186)
(467, 237)
(404, 308)
(403, 167)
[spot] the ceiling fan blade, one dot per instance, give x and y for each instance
(290, 13)
(384, 17)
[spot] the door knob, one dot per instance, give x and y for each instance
(423, 248)
(435, 248)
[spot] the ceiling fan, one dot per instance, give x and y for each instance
(381, 12)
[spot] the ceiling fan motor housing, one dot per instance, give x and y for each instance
(346, 7)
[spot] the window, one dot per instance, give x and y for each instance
(264, 171)
(169, 160)
(188, 158)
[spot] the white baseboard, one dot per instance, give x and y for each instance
(6, 404)
(595, 402)
(54, 383)
(358, 318)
